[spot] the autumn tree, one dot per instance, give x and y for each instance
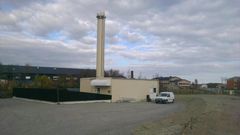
(42, 82)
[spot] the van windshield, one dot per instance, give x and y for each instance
(164, 94)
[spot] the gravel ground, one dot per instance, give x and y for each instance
(18, 117)
(204, 115)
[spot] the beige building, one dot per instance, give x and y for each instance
(120, 89)
(172, 81)
(183, 83)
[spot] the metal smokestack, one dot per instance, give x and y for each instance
(132, 75)
(100, 44)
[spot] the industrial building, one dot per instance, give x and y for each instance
(119, 89)
(28, 73)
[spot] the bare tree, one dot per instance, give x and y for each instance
(140, 76)
(196, 83)
(156, 75)
(129, 73)
(113, 73)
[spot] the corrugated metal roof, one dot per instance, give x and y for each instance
(42, 70)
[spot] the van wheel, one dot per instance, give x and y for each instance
(173, 101)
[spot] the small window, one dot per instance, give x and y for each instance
(27, 77)
(154, 90)
(55, 78)
(98, 90)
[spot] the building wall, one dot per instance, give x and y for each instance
(132, 90)
(15, 72)
(233, 84)
(184, 83)
(230, 84)
(163, 84)
(122, 89)
(85, 86)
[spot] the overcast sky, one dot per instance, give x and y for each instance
(192, 39)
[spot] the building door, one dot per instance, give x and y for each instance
(98, 90)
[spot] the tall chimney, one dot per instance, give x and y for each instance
(100, 44)
(132, 75)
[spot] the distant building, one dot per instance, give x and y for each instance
(183, 83)
(28, 73)
(233, 83)
(204, 86)
(213, 87)
(165, 82)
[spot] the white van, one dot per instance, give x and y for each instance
(165, 97)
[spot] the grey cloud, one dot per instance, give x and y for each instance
(15, 4)
(131, 9)
(181, 37)
(41, 52)
(113, 27)
(89, 40)
(133, 36)
(42, 19)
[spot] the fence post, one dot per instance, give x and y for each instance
(58, 96)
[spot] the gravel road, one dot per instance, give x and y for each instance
(203, 115)
(28, 118)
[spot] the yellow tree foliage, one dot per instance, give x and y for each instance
(43, 82)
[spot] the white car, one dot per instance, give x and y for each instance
(165, 97)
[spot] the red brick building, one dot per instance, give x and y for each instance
(233, 83)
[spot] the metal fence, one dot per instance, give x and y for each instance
(232, 92)
(57, 95)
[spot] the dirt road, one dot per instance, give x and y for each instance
(204, 115)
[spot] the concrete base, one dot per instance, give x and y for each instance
(65, 103)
